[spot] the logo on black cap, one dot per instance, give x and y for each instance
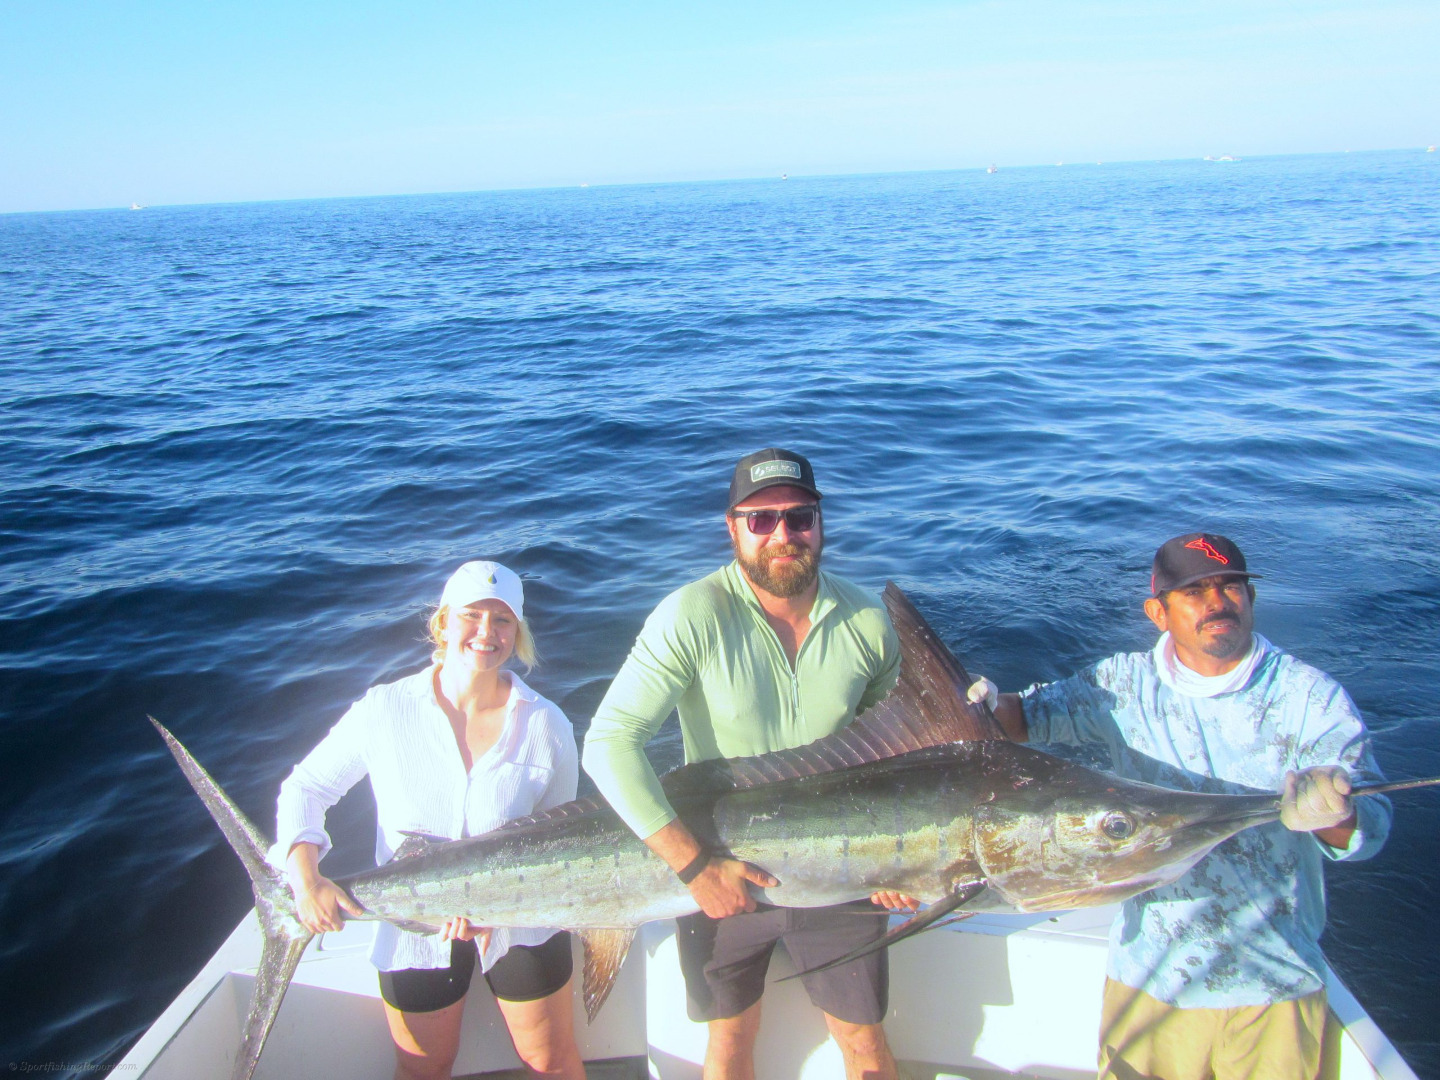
(1201, 544)
(770, 468)
(1192, 557)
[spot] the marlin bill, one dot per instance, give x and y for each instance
(921, 795)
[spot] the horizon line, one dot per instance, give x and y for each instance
(573, 186)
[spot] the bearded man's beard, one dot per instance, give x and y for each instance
(788, 579)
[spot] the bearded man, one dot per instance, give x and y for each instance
(767, 653)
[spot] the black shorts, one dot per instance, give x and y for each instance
(725, 960)
(524, 973)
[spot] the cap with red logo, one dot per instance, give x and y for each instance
(1189, 558)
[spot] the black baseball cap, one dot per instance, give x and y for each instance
(770, 468)
(1194, 556)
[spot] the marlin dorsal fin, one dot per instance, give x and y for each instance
(933, 682)
(927, 708)
(574, 808)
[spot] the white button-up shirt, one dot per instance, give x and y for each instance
(399, 736)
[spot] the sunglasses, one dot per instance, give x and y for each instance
(763, 522)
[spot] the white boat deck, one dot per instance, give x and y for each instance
(990, 997)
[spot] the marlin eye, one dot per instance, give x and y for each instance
(1117, 825)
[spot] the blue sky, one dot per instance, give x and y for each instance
(104, 103)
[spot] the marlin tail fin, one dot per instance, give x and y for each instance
(285, 938)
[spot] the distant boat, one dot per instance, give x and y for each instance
(1430, 150)
(1227, 157)
(784, 176)
(136, 206)
(992, 169)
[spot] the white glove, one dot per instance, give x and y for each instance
(1317, 798)
(982, 689)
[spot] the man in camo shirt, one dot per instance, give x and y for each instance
(1219, 974)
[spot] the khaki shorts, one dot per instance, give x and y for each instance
(1142, 1038)
(724, 960)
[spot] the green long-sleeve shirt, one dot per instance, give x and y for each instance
(707, 651)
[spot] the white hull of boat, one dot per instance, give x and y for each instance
(994, 996)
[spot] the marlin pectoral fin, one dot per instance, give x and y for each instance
(605, 951)
(928, 919)
(954, 919)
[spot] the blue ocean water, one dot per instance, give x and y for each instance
(244, 445)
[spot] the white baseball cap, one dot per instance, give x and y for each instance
(482, 580)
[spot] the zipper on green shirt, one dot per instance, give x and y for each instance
(819, 610)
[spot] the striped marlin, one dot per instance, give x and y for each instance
(921, 795)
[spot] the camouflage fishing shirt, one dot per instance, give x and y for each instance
(1242, 927)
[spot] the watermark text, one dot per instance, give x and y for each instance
(68, 1067)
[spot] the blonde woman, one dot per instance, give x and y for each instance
(455, 750)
